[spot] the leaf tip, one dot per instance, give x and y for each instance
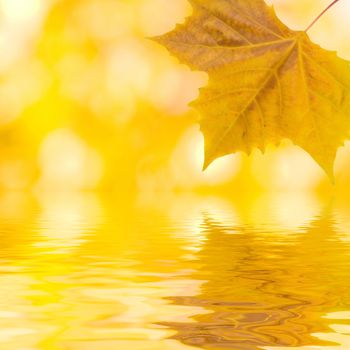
(156, 39)
(206, 164)
(328, 169)
(331, 176)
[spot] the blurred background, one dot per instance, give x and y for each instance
(88, 102)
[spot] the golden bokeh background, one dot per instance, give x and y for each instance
(88, 101)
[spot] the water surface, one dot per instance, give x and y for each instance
(83, 272)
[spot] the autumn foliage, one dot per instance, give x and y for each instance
(266, 82)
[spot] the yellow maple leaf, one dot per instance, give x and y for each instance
(266, 82)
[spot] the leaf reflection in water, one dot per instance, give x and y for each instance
(269, 287)
(341, 335)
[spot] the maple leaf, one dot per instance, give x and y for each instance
(266, 82)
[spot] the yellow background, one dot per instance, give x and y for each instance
(87, 101)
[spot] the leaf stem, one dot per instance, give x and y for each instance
(321, 14)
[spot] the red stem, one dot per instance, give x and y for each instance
(321, 14)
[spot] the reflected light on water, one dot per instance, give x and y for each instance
(187, 272)
(291, 211)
